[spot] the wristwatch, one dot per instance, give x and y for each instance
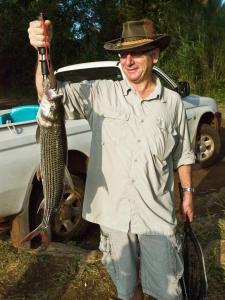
(188, 189)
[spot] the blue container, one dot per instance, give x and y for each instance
(4, 118)
(20, 114)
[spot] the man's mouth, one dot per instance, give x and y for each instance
(131, 70)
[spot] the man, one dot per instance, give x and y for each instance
(139, 136)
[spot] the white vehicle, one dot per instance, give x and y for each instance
(20, 190)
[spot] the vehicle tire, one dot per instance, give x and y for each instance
(207, 145)
(68, 223)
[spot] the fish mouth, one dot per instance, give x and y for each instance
(51, 95)
(51, 109)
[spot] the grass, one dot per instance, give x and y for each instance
(26, 275)
(210, 229)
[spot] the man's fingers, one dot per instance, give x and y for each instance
(188, 212)
(37, 40)
(187, 206)
(35, 23)
(37, 34)
(35, 31)
(48, 23)
(38, 44)
(190, 215)
(38, 24)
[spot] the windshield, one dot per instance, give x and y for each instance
(112, 73)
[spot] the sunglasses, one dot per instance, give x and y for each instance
(134, 54)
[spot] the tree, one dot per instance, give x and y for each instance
(196, 28)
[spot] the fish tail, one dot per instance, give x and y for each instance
(45, 240)
(32, 234)
(44, 233)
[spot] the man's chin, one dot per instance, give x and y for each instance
(134, 79)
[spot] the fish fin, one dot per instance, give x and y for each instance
(39, 174)
(41, 205)
(45, 239)
(38, 135)
(68, 180)
(32, 234)
(45, 235)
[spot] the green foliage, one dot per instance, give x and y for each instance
(196, 27)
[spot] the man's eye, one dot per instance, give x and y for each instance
(137, 54)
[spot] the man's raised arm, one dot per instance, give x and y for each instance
(37, 39)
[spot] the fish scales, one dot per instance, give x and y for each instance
(53, 161)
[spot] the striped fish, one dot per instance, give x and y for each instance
(53, 160)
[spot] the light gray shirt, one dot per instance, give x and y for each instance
(136, 145)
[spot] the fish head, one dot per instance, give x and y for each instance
(51, 109)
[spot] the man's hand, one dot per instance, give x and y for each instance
(38, 39)
(36, 34)
(187, 206)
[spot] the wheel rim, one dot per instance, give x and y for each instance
(206, 147)
(70, 211)
(69, 215)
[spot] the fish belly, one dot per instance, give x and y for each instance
(53, 162)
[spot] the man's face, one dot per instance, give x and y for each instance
(137, 65)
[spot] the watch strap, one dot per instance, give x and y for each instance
(188, 189)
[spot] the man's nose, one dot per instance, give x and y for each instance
(129, 59)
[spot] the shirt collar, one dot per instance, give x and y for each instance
(156, 94)
(125, 86)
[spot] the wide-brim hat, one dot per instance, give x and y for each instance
(138, 35)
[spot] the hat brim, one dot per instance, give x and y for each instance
(160, 41)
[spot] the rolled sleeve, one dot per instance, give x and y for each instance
(183, 153)
(77, 99)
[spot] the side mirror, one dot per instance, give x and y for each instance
(183, 88)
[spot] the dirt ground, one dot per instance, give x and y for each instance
(76, 273)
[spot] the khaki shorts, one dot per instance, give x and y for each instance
(155, 260)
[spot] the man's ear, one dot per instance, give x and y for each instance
(155, 55)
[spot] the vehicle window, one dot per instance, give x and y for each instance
(163, 80)
(113, 73)
(165, 83)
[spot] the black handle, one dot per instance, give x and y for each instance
(42, 52)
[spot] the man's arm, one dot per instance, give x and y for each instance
(185, 174)
(77, 98)
(38, 77)
(37, 39)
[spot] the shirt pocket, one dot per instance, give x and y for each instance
(114, 127)
(176, 258)
(107, 255)
(164, 141)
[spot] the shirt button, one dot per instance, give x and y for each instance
(138, 140)
(132, 180)
(135, 160)
(142, 121)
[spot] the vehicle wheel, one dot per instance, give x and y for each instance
(207, 145)
(68, 223)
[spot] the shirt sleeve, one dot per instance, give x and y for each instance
(77, 99)
(183, 153)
